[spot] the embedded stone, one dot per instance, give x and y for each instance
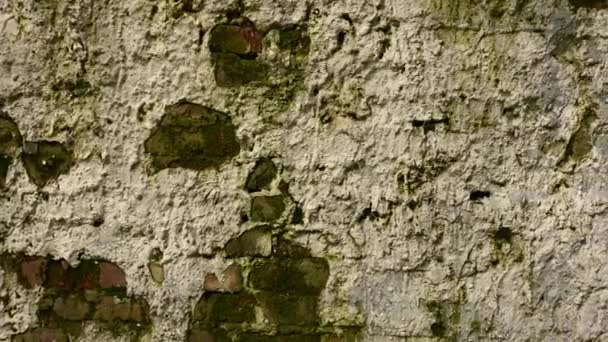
(231, 71)
(192, 136)
(289, 309)
(157, 271)
(267, 208)
(240, 40)
(72, 308)
(231, 280)
(111, 276)
(261, 176)
(45, 160)
(226, 307)
(282, 275)
(254, 242)
(287, 248)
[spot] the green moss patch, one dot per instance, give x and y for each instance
(192, 136)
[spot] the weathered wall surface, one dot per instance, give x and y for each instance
(356, 170)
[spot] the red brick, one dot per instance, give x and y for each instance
(231, 280)
(111, 275)
(32, 271)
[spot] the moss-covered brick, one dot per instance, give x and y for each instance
(72, 307)
(42, 335)
(261, 176)
(289, 309)
(45, 160)
(231, 71)
(112, 309)
(192, 136)
(297, 276)
(295, 39)
(267, 208)
(226, 307)
(254, 242)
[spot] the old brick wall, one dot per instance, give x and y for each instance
(307, 171)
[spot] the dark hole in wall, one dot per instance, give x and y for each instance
(346, 17)
(438, 329)
(341, 38)
(479, 195)
(98, 221)
(503, 235)
(368, 213)
(430, 125)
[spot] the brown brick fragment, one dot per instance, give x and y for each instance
(111, 276)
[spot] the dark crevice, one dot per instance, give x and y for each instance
(479, 195)
(430, 125)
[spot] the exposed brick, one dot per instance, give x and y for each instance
(286, 248)
(111, 276)
(60, 275)
(234, 39)
(57, 275)
(192, 136)
(112, 309)
(231, 280)
(73, 307)
(267, 208)
(42, 335)
(289, 309)
(254, 242)
(303, 276)
(224, 307)
(32, 271)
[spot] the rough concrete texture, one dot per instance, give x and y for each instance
(440, 164)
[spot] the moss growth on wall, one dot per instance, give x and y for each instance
(192, 136)
(45, 160)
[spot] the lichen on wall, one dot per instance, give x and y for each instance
(378, 170)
